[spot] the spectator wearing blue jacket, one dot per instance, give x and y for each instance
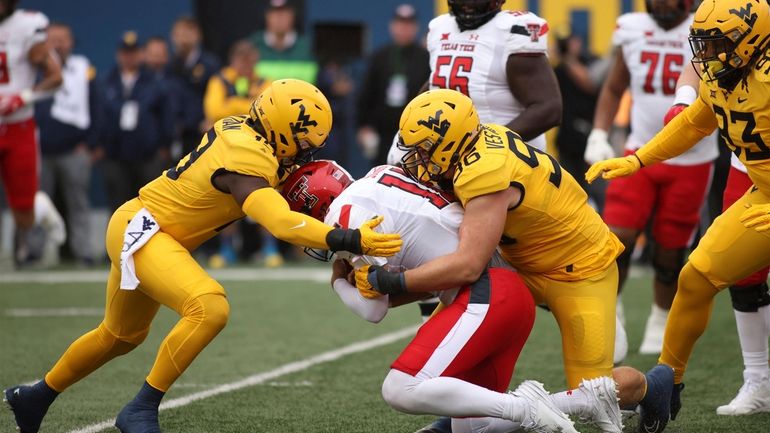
(192, 67)
(69, 127)
(138, 124)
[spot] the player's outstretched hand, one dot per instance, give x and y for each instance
(615, 167)
(378, 244)
(757, 217)
(362, 283)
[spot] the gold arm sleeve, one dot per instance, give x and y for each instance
(682, 133)
(269, 209)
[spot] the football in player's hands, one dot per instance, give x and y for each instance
(341, 268)
(673, 112)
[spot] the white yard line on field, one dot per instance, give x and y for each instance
(315, 274)
(259, 378)
(55, 312)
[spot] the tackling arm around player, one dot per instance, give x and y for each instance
(519, 199)
(461, 360)
(231, 174)
(729, 51)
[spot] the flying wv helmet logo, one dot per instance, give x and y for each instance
(435, 123)
(745, 14)
(303, 120)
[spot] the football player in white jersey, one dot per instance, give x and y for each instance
(749, 296)
(651, 49)
(497, 58)
(23, 53)
(477, 334)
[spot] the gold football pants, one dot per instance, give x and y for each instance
(727, 253)
(585, 313)
(168, 276)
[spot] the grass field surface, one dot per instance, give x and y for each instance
(294, 359)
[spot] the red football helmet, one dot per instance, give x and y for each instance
(312, 187)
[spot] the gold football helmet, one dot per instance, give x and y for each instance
(726, 35)
(296, 118)
(435, 130)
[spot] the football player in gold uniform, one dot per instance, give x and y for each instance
(231, 174)
(520, 199)
(729, 39)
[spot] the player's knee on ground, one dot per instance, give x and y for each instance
(398, 391)
(210, 310)
(630, 384)
(749, 299)
(667, 264)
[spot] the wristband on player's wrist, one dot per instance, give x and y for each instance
(344, 240)
(386, 282)
(685, 95)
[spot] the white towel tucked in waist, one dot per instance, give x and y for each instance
(139, 230)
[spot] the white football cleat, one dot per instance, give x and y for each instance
(652, 343)
(753, 397)
(604, 398)
(542, 415)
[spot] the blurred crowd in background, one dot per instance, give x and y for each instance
(127, 124)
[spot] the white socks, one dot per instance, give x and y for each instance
(447, 396)
(753, 331)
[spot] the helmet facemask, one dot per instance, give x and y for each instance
(419, 164)
(714, 54)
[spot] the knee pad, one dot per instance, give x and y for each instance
(121, 344)
(667, 268)
(691, 279)
(748, 299)
(210, 309)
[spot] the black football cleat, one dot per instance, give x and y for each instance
(440, 425)
(655, 407)
(676, 401)
(29, 405)
(138, 418)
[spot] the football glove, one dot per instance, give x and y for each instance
(757, 217)
(673, 112)
(364, 240)
(597, 147)
(374, 278)
(10, 104)
(615, 167)
(378, 244)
